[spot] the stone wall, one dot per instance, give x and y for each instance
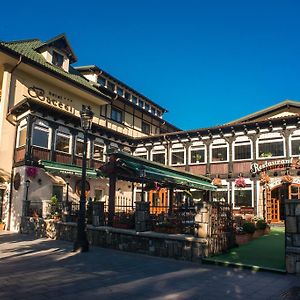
(178, 246)
(292, 238)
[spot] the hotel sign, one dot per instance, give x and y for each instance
(50, 98)
(276, 164)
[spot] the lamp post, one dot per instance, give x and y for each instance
(81, 243)
(26, 206)
(142, 175)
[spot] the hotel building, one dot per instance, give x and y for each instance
(42, 142)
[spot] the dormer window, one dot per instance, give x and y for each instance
(57, 59)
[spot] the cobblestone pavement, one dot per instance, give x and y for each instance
(47, 269)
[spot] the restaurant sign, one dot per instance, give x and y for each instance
(51, 98)
(276, 164)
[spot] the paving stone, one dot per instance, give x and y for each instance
(47, 269)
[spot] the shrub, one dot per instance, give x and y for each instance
(249, 227)
(261, 224)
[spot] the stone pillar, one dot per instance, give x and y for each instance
(142, 216)
(202, 222)
(292, 236)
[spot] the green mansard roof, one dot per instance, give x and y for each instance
(28, 49)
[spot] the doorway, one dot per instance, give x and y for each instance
(275, 201)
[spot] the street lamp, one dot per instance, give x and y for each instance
(142, 175)
(26, 208)
(81, 243)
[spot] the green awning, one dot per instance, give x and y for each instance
(155, 172)
(55, 167)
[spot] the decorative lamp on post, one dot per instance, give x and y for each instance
(26, 206)
(142, 176)
(81, 243)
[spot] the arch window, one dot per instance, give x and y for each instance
(98, 150)
(197, 153)
(158, 154)
(219, 151)
(22, 134)
(270, 145)
(177, 155)
(41, 134)
(63, 140)
(243, 197)
(295, 143)
(242, 149)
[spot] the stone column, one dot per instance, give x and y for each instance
(292, 236)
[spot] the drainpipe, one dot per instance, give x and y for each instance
(12, 168)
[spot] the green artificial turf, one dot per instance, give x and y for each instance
(266, 252)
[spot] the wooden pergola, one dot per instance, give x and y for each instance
(126, 167)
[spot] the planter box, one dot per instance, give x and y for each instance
(2, 226)
(242, 239)
(258, 233)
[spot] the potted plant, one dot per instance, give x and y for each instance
(2, 225)
(124, 220)
(55, 209)
(198, 158)
(245, 233)
(266, 154)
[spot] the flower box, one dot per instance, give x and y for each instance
(242, 239)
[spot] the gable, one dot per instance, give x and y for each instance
(286, 108)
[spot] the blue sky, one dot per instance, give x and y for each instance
(207, 62)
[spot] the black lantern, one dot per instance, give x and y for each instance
(86, 117)
(81, 243)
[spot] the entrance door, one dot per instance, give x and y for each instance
(1, 202)
(158, 201)
(273, 205)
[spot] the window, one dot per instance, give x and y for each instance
(295, 143)
(159, 113)
(116, 115)
(147, 107)
(219, 151)
(79, 146)
(98, 152)
(102, 110)
(158, 154)
(141, 152)
(141, 103)
(177, 155)
(221, 194)
(146, 128)
(153, 110)
(40, 135)
(120, 91)
(197, 154)
(110, 86)
(270, 147)
(63, 141)
(242, 150)
(102, 81)
(57, 59)
(243, 196)
(127, 95)
(22, 134)
(134, 99)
